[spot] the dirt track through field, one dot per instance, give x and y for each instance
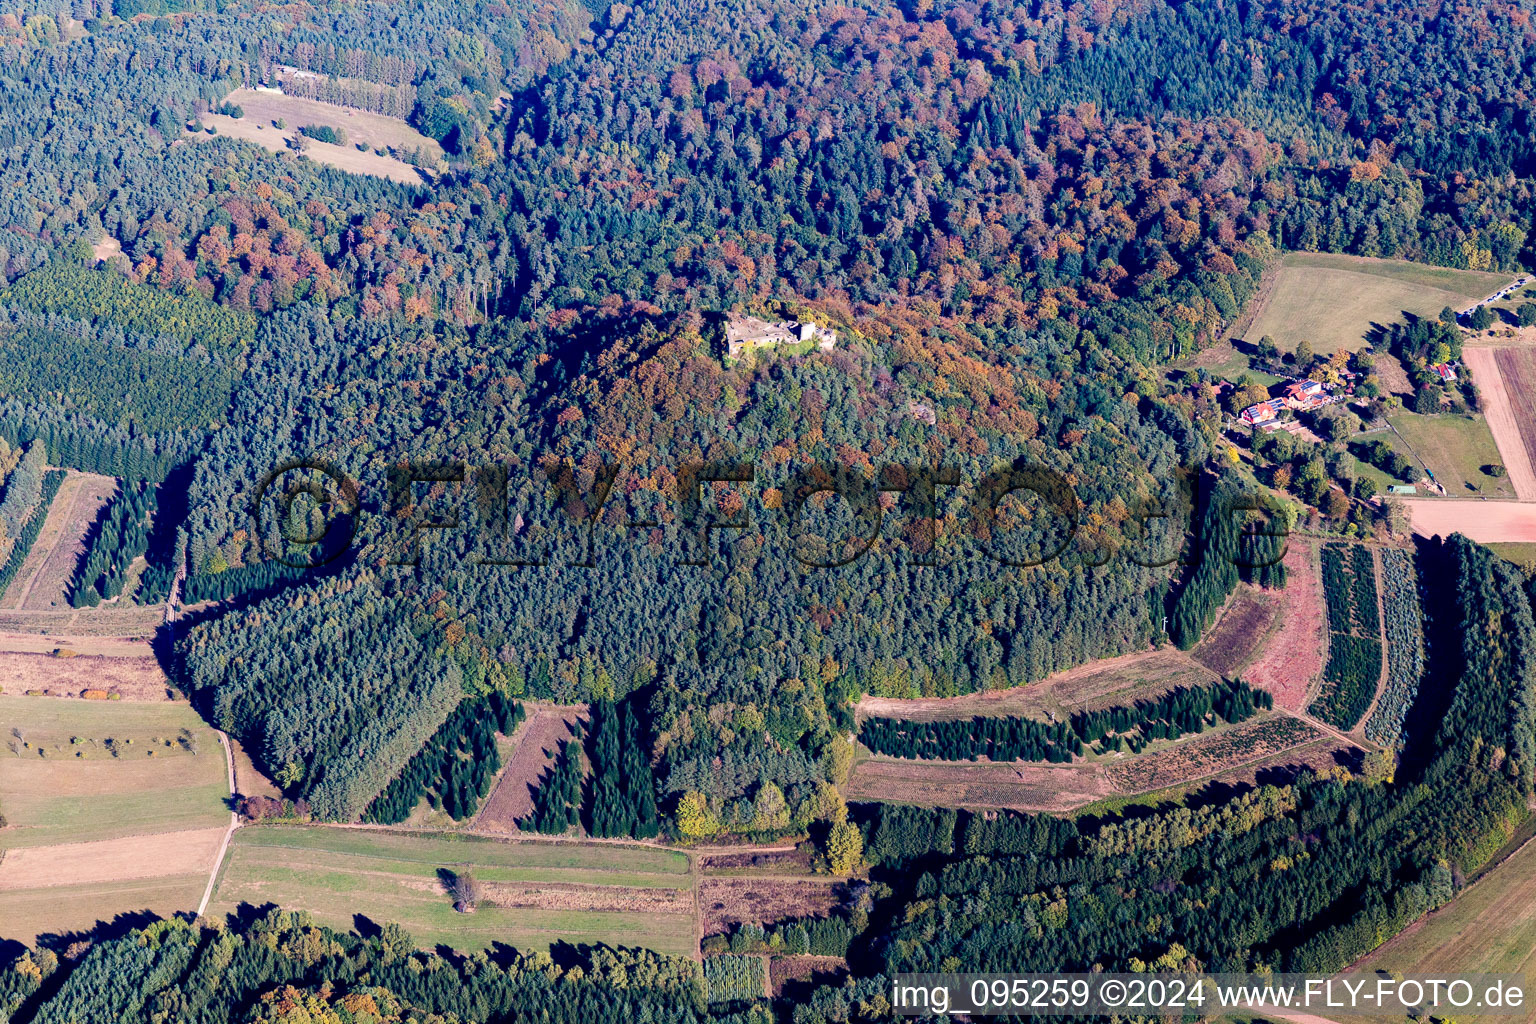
(111, 860)
(1487, 522)
(1489, 366)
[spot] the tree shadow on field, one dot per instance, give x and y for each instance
(246, 914)
(101, 931)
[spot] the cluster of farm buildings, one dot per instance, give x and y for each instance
(1309, 395)
(1298, 396)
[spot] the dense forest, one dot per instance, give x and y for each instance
(1303, 877)
(535, 477)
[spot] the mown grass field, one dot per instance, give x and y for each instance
(1331, 301)
(54, 800)
(60, 783)
(1489, 928)
(1455, 448)
(340, 874)
(26, 914)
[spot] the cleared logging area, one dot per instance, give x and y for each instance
(111, 630)
(555, 892)
(1211, 754)
(725, 902)
(1290, 657)
(1237, 635)
(50, 565)
(535, 744)
(113, 807)
(1097, 684)
(1232, 753)
(55, 675)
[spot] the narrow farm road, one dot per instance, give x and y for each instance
(234, 823)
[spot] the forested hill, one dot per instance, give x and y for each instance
(1013, 215)
(1008, 236)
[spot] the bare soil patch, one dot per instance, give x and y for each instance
(537, 742)
(591, 898)
(1018, 787)
(130, 678)
(51, 563)
(1237, 634)
(1290, 656)
(772, 862)
(1486, 522)
(1506, 379)
(1098, 684)
(784, 971)
(724, 902)
(110, 860)
(106, 248)
(1211, 754)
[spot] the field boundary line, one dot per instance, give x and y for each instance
(229, 831)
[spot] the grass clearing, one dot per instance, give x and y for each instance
(1455, 449)
(1521, 554)
(94, 836)
(339, 874)
(27, 913)
(380, 135)
(1333, 301)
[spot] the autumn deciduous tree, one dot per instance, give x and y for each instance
(845, 848)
